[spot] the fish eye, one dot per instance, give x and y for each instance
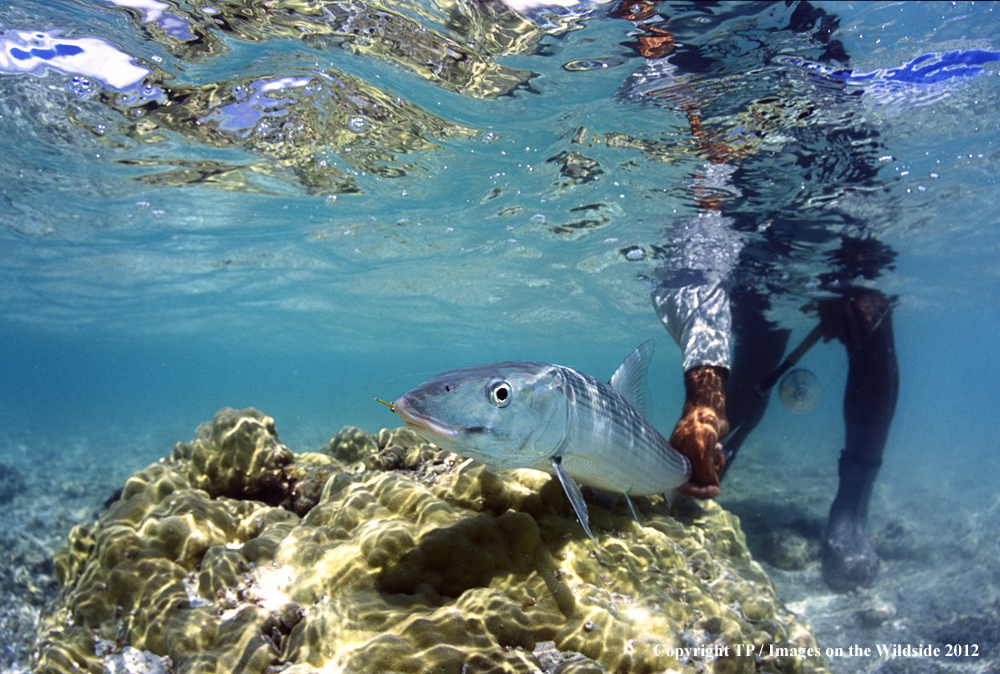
(499, 392)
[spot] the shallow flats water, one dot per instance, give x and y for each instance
(299, 207)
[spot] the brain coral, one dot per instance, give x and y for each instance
(236, 555)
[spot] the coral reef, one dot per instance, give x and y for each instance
(237, 555)
(350, 444)
(789, 549)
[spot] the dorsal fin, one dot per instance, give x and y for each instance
(630, 378)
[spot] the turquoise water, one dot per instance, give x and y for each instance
(298, 213)
(209, 204)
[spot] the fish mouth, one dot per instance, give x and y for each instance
(421, 424)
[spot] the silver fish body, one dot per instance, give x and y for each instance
(522, 414)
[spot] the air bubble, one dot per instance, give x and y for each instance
(81, 87)
(634, 253)
(593, 64)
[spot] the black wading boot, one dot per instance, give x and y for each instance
(848, 558)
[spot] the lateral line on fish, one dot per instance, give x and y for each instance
(528, 414)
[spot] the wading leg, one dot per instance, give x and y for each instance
(869, 403)
(758, 351)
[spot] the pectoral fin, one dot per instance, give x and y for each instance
(574, 495)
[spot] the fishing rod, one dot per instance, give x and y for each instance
(764, 388)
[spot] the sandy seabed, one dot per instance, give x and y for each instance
(938, 588)
(938, 538)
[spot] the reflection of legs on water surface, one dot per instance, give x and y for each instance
(869, 404)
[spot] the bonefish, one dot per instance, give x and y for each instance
(523, 414)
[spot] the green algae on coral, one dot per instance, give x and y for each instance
(238, 555)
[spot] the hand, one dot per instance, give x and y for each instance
(702, 423)
(852, 318)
